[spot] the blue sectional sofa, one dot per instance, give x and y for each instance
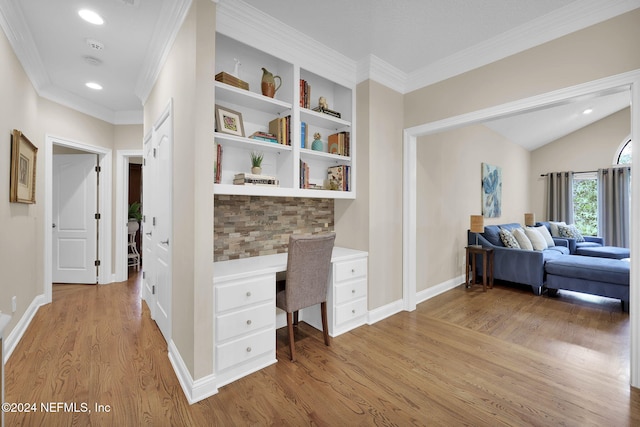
(518, 265)
(574, 245)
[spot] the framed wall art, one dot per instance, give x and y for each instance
(23, 169)
(491, 191)
(229, 121)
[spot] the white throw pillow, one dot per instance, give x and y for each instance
(522, 239)
(553, 225)
(537, 241)
(547, 236)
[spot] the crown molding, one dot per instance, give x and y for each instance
(373, 68)
(242, 22)
(573, 17)
(171, 18)
(17, 31)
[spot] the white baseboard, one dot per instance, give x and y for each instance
(18, 331)
(196, 390)
(433, 291)
(383, 312)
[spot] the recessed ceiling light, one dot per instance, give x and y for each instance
(91, 16)
(93, 85)
(588, 111)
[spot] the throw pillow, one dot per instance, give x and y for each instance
(537, 241)
(553, 225)
(508, 240)
(571, 232)
(522, 239)
(544, 231)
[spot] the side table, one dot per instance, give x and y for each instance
(472, 266)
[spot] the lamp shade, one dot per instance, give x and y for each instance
(529, 219)
(477, 224)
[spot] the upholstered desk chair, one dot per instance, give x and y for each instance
(307, 279)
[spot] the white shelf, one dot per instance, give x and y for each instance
(322, 120)
(305, 153)
(248, 99)
(249, 143)
(264, 190)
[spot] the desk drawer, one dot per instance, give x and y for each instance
(350, 291)
(348, 270)
(245, 349)
(351, 310)
(244, 321)
(245, 291)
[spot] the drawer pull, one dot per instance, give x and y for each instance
(248, 293)
(353, 311)
(249, 322)
(353, 291)
(248, 349)
(353, 270)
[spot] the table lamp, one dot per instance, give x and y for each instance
(529, 219)
(477, 226)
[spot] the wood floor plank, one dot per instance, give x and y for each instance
(499, 358)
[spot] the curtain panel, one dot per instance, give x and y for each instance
(614, 205)
(560, 196)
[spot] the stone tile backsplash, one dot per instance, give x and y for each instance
(246, 226)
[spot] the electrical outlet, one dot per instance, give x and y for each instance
(14, 304)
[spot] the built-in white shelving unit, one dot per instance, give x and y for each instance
(257, 110)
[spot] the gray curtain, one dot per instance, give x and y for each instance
(614, 210)
(560, 197)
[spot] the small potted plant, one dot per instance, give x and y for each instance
(256, 162)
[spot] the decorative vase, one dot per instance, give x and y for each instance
(317, 145)
(269, 87)
(256, 170)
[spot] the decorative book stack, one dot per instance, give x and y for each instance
(339, 178)
(253, 179)
(231, 80)
(327, 111)
(264, 136)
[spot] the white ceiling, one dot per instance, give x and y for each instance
(411, 36)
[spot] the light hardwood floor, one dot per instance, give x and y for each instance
(504, 357)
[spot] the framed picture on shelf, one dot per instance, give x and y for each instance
(23, 169)
(229, 121)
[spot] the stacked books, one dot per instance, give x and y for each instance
(305, 94)
(281, 128)
(218, 166)
(231, 80)
(339, 178)
(339, 144)
(253, 179)
(327, 111)
(264, 136)
(304, 175)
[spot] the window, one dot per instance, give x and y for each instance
(624, 155)
(585, 202)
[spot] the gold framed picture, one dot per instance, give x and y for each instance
(229, 121)
(23, 169)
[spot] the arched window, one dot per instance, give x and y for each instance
(624, 154)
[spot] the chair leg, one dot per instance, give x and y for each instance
(325, 328)
(292, 345)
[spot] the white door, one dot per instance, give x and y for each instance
(157, 224)
(148, 262)
(74, 206)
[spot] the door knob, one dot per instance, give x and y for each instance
(165, 242)
(148, 234)
(54, 225)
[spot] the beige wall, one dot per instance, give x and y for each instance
(449, 190)
(373, 222)
(186, 79)
(587, 149)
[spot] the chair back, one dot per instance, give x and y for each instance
(308, 267)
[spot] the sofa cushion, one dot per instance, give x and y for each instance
(570, 231)
(508, 239)
(537, 241)
(563, 250)
(590, 268)
(603, 251)
(492, 234)
(544, 231)
(522, 239)
(553, 227)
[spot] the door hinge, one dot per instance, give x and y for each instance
(154, 221)
(144, 218)
(153, 289)
(143, 274)
(98, 169)
(97, 216)
(97, 263)
(144, 162)
(154, 153)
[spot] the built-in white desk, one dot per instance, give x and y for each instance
(4, 321)
(246, 315)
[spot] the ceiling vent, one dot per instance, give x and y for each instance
(95, 44)
(91, 60)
